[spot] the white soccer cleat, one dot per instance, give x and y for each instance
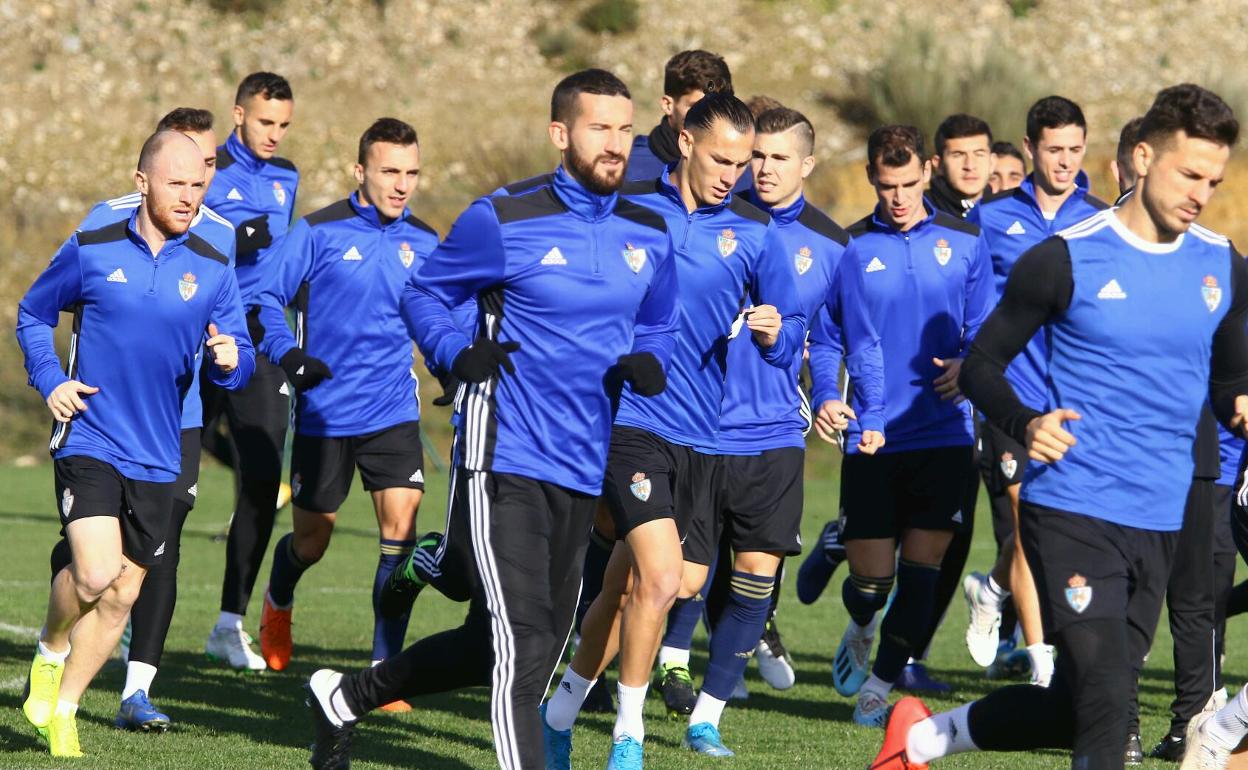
(773, 660)
(1042, 666)
(871, 710)
(853, 657)
(984, 631)
(232, 646)
(1202, 752)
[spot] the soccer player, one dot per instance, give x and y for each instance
(662, 468)
(687, 77)
(145, 293)
(576, 292)
(1055, 196)
(928, 287)
(153, 610)
(255, 190)
(1144, 311)
(961, 165)
(357, 403)
(1009, 168)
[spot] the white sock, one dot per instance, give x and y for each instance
(673, 656)
(868, 629)
(65, 708)
(994, 593)
(629, 719)
(1229, 726)
(565, 704)
(707, 709)
(229, 621)
(939, 736)
(878, 686)
(1041, 656)
(46, 652)
(139, 676)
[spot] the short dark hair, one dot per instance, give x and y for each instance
(780, 119)
(1008, 148)
(388, 130)
(894, 146)
(188, 120)
(265, 84)
(1197, 112)
(590, 81)
(1053, 112)
(960, 126)
(719, 105)
(760, 103)
(696, 70)
(1128, 138)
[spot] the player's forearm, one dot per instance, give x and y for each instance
(865, 366)
(36, 341)
(431, 325)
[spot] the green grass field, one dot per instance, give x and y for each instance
(228, 720)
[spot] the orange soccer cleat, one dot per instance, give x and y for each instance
(908, 712)
(275, 641)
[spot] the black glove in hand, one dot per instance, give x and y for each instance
(450, 386)
(251, 236)
(482, 359)
(643, 372)
(304, 371)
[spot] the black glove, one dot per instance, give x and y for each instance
(450, 385)
(304, 371)
(643, 373)
(482, 359)
(250, 237)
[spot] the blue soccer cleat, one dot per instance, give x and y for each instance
(853, 656)
(137, 713)
(704, 739)
(819, 565)
(556, 744)
(915, 678)
(626, 754)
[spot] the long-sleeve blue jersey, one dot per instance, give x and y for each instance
(928, 290)
(578, 280)
(139, 319)
(207, 224)
(344, 270)
(247, 188)
(724, 254)
(764, 407)
(1012, 222)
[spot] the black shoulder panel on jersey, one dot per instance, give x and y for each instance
(106, 234)
(861, 227)
(283, 163)
(420, 224)
(743, 208)
(634, 212)
(641, 187)
(955, 223)
(525, 185)
(996, 196)
(204, 249)
(815, 220)
(334, 212)
(1096, 202)
(224, 158)
(541, 202)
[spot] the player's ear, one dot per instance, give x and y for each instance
(685, 142)
(141, 183)
(238, 114)
(558, 133)
(1027, 148)
(667, 104)
(927, 172)
(808, 165)
(359, 174)
(1142, 158)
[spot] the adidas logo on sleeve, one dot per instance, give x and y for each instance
(875, 265)
(1111, 290)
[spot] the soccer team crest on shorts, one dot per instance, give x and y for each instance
(1211, 292)
(406, 255)
(635, 258)
(187, 286)
(943, 252)
(296, 484)
(1008, 464)
(640, 487)
(67, 502)
(1078, 593)
(279, 193)
(802, 260)
(727, 242)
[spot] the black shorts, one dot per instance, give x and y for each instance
(1002, 460)
(885, 494)
(321, 469)
(186, 487)
(649, 478)
(1088, 568)
(760, 500)
(87, 487)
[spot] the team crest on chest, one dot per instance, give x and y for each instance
(640, 487)
(406, 255)
(1008, 464)
(279, 193)
(802, 260)
(727, 242)
(1211, 292)
(1078, 593)
(634, 258)
(187, 286)
(943, 252)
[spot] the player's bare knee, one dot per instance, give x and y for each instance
(657, 589)
(92, 581)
